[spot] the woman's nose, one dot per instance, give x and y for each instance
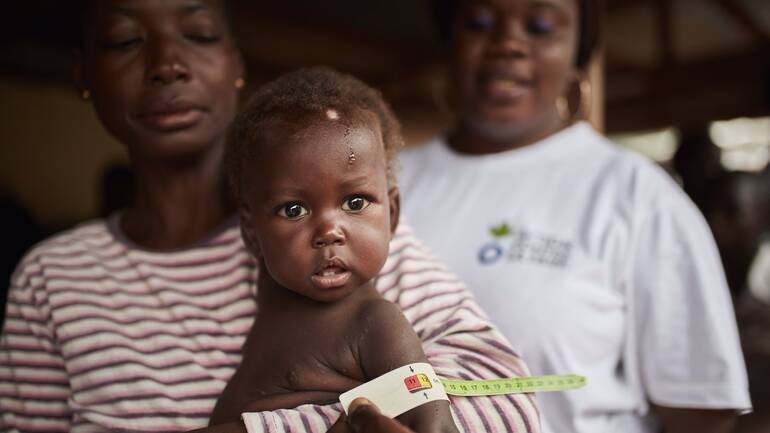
(510, 39)
(165, 64)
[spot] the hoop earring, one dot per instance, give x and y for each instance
(562, 107)
(584, 108)
(583, 102)
(239, 83)
(85, 95)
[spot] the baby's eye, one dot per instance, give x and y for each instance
(355, 204)
(292, 211)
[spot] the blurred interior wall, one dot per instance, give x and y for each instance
(53, 151)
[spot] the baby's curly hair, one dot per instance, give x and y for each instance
(302, 95)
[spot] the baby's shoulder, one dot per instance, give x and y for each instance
(386, 339)
(380, 313)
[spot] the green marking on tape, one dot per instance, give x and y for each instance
(514, 385)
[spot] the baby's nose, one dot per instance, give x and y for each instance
(329, 234)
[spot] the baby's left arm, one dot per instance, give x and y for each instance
(387, 341)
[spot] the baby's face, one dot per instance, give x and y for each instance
(318, 207)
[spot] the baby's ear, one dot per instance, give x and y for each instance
(394, 197)
(248, 233)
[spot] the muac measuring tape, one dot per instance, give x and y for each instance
(413, 385)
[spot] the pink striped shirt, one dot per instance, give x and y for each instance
(103, 335)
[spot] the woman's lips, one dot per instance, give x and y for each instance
(171, 116)
(504, 89)
(330, 277)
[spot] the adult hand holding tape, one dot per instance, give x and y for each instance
(364, 416)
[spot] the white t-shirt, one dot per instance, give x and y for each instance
(592, 261)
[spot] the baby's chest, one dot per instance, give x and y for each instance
(290, 360)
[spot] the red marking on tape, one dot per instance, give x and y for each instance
(417, 382)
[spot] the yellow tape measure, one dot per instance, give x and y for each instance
(514, 385)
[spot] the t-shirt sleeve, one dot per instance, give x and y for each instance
(303, 419)
(683, 324)
(34, 387)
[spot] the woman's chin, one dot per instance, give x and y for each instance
(496, 128)
(182, 146)
(506, 125)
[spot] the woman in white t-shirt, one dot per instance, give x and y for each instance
(590, 259)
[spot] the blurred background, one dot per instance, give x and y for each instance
(683, 82)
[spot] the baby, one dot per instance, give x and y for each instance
(312, 162)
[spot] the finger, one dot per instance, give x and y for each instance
(364, 416)
(360, 402)
(341, 426)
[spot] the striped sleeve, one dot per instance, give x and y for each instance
(457, 337)
(458, 340)
(34, 387)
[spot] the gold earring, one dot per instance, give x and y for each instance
(239, 83)
(583, 103)
(562, 107)
(85, 94)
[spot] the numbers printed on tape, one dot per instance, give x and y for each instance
(515, 385)
(417, 382)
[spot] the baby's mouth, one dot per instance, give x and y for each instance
(330, 271)
(332, 274)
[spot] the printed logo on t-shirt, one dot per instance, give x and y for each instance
(519, 245)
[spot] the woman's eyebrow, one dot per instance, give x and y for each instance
(551, 3)
(188, 8)
(192, 7)
(121, 10)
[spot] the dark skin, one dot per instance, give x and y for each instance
(320, 222)
(511, 60)
(366, 417)
(161, 75)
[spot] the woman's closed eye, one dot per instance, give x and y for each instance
(201, 38)
(355, 204)
(123, 44)
(292, 211)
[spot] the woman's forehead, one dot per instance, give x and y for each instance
(138, 8)
(513, 4)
